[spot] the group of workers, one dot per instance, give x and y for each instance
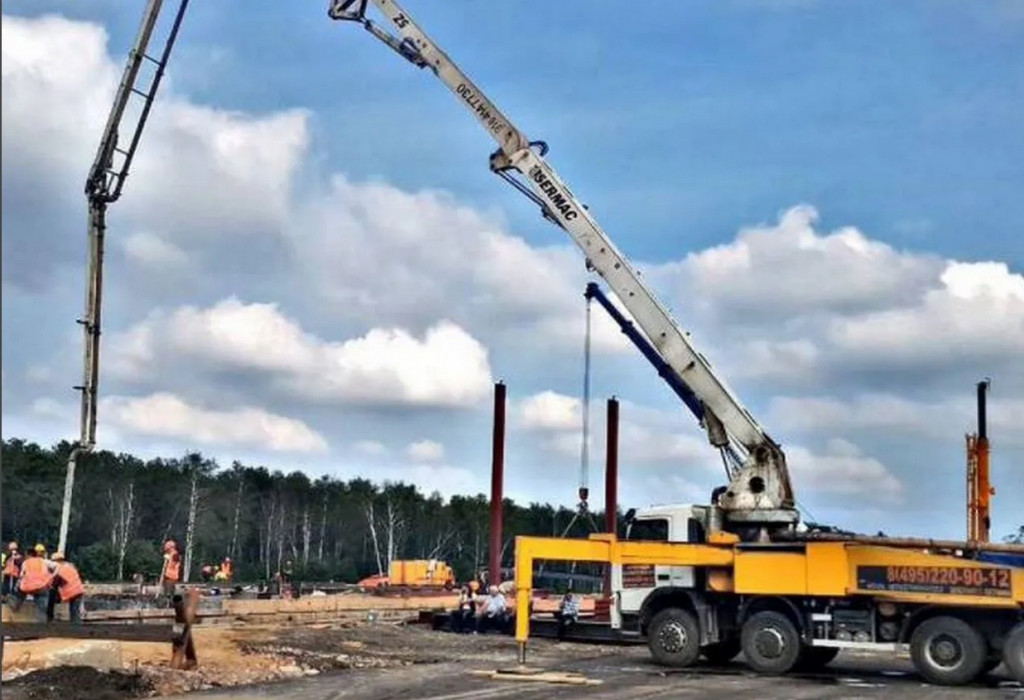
(170, 574)
(48, 579)
(220, 573)
(479, 612)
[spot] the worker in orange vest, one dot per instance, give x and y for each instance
(224, 573)
(170, 575)
(35, 580)
(67, 588)
(12, 568)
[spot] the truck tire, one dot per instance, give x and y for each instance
(948, 651)
(721, 653)
(1013, 652)
(771, 642)
(816, 658)
(674, 638)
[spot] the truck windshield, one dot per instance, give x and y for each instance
(655, 529)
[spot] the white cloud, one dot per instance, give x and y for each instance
(977, 315)
(445, 479)
(376, 252)
(787, 305)
(646, 436)
(885, 414)
(152, 251)
(233, 171)
(48, 408)
(164, 415)
(386, 366)
(841, 470)
(39, 373)
(789, 268)
(549, 410)
(425, 451)
(370, 448)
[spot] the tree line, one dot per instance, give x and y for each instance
(124, 508)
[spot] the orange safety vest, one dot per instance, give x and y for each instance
(11, 567)
(172, 572)
(70, 582)
(35, 577)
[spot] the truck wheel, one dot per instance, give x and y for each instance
(771, 642)
(674, 638)
(721, 653)
(1013, 652)
(948, 651)
(816, 658)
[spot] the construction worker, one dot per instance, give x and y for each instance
(465, 614)
(492, 612)
(170, 575)
(224, 572)
(206, 573)
(11, 567)
(67, 587)
(35, 581)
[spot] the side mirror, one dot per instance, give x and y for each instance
(629, 517)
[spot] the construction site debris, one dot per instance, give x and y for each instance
(79, 682)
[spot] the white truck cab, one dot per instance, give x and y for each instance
(633, 584)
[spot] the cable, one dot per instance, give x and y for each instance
(585, 446)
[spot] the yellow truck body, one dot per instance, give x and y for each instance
(899, 596)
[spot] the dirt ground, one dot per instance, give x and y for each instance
(387, 660)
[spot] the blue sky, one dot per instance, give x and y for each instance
(679, 127)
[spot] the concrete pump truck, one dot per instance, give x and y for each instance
(741, 573)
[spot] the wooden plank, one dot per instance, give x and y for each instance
(65, 630)
(560, 677)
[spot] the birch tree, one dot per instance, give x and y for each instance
(233, 548)
(190, 531)
(323, 528)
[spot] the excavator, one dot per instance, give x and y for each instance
(740, 573)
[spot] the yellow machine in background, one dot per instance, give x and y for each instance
(420, 572)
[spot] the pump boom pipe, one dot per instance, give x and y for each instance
(761, 492)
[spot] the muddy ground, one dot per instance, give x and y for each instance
(388, 660)
(252, 656)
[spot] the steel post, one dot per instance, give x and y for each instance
(611, 479)
(497, 478)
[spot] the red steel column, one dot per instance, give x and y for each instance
(497, 477)
(611, 470)
(611, 480)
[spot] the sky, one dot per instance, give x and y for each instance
(311, 266)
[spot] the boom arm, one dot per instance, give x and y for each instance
(103, 187)
(731, 460)
(761, 492)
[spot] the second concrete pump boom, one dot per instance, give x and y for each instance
(760, 494)
(103, 187)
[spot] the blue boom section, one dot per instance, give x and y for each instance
(1005, 559)
(642, 344)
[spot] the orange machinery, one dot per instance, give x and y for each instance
(979, 488)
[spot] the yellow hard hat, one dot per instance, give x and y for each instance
(40, 548)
